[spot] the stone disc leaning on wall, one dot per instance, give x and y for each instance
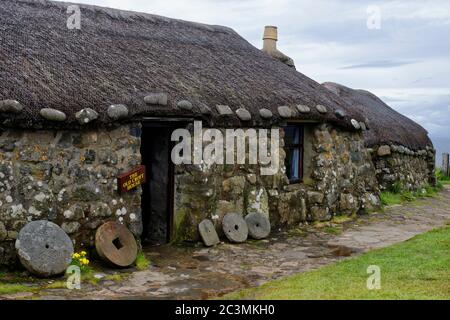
(44, 248)
(258, 226)
(235, 228)
(208, 233)
(116, 244)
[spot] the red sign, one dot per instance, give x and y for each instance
(132, 179)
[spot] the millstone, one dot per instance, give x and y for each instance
(235, 228)
(208, 233)
(116, 244)
(258, 226)
(44, 249)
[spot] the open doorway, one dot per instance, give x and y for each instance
(157, 196)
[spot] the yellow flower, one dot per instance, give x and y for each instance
(83, 253)
(76, 256)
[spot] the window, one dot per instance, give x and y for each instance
(293, 145)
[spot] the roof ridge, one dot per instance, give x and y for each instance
(115, 13)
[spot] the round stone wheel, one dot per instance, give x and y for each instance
(44, 249)
(116, 244)
(208, 233)
(235, 228)
(258, 226)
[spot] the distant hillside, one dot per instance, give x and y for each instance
(442, 145)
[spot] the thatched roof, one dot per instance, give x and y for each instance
(385, 124)
(120, 57)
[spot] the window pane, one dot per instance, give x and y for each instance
(292, 164)
(292, 136)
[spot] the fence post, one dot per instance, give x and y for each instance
(445, 164)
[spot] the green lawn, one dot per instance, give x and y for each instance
(416, 269)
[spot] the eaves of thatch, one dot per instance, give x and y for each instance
(121, 57)
(386, 126)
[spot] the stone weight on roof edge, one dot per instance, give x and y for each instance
(140, 74)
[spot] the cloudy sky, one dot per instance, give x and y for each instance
(405, 58)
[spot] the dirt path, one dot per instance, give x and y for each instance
(199, 273)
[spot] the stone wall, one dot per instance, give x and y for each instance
(67, 177)
(340, 179)
(404, 168)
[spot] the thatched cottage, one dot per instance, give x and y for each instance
(79, 108)
(402, 152)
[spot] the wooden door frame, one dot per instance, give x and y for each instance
(172, 124)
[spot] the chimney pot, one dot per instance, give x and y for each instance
(270, 46)
(271, 32)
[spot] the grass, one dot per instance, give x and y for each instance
(142, 263)
(397, 195)
(11, 288)
(445, 180)
(415, 269)
(390, 198)
(332, 230)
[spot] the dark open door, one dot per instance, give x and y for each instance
(157, 197)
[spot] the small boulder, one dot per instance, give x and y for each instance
(265, 113)
(285, 112)
(3, 231)
(85, 116)
(340, 113)
(53, 115)
(303, 109)
(315, 197)
(355, 124)
(224, 110)
(185, 105)
(363, 126)
(321, 109)
(243, 114)
(384, 151)
(117, 111)
(156, 99)
(10, 106)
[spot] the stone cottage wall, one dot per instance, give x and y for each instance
(409, 170)
(339, 179)
(67, 177)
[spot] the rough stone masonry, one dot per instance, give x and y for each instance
(67, 177)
